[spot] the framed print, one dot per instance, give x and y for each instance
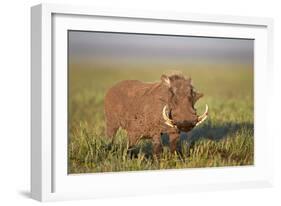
(137, 102)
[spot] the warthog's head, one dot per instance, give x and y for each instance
(179, 112)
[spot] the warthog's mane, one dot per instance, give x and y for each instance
(177, 77)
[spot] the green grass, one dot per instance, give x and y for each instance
(225, 139)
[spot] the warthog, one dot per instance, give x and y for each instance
(148, 110)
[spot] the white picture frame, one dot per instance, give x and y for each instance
(49, 178)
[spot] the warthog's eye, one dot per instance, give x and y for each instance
(193, 92)
(193, 96)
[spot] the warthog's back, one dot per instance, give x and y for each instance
(128, 104)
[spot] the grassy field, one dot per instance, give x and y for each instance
(225, 139)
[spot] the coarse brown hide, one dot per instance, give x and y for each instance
(147, 110)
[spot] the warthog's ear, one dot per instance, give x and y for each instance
(166, 80)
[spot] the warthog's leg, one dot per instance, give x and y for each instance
(157, 147)
(111, 128)
(173, 141)
(111, 131)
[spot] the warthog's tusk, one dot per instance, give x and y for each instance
(168, 121)
(203, 117)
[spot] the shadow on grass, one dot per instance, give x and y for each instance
(218, 132)
(206, 131)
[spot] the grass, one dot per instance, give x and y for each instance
(225, 139)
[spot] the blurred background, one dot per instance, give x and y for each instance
(220, 68)
(115, 50)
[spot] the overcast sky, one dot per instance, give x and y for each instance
(93, 46)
